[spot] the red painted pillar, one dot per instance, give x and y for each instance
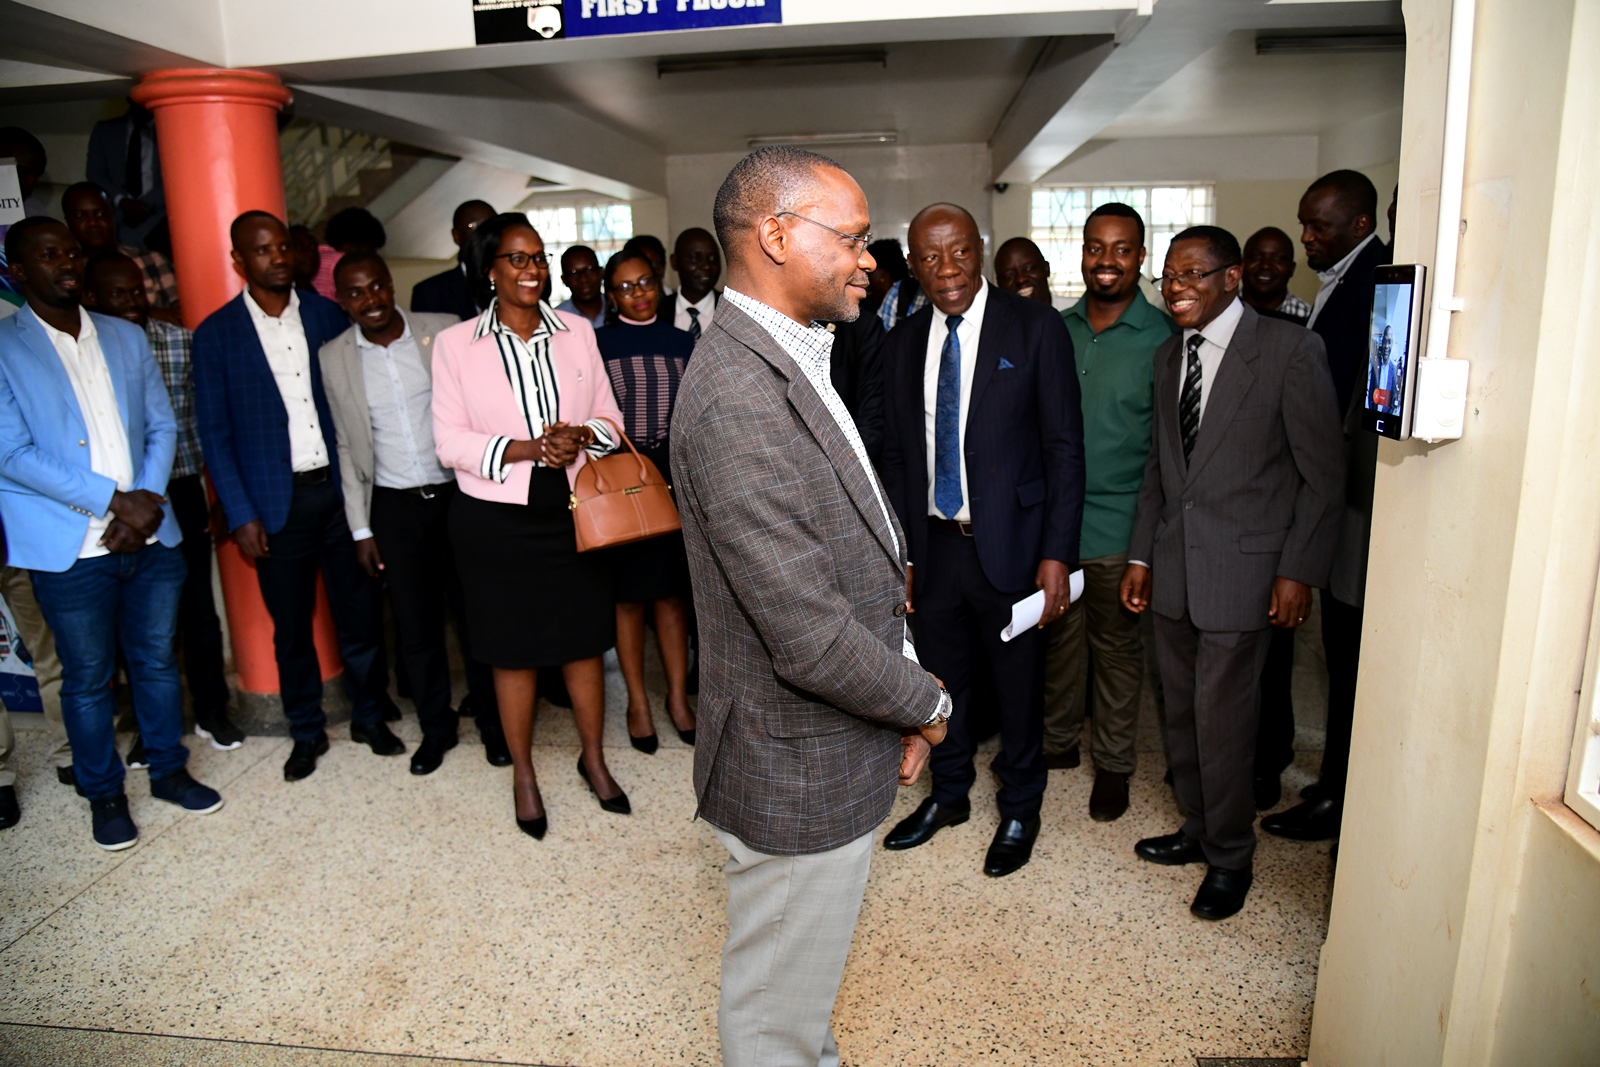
(217, 131)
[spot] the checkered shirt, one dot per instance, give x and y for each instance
(160, 282)
(1293, 305)
(170, 345)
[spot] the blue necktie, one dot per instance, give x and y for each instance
(947, 426)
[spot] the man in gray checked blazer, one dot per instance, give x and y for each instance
(812, 704)
(1236, 524)
(379, 379)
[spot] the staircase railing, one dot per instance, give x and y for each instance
(321, 162)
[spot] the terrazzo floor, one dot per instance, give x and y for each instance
(368, 918)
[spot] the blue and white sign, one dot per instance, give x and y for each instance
(501, 21)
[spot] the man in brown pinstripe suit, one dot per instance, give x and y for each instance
(812, 703)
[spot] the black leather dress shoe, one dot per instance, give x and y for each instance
(929, 818)
(10, 813)
(1222, 893)
(303, 758)
(1313, 820)
(1268, 790)
(1012, 846)
(379, 738)
(431, 752)
(391, 710)
(1109, 798)
(495, 749)
(1064, 761)
(1171, 850)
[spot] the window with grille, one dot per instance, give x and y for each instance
(1060, 211)
(603, 225)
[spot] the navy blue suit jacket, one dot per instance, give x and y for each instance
(244, 427)
(446, 293)
(1023, 440)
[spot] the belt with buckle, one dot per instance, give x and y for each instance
(962, 528)
(428, 492)
(311, 477)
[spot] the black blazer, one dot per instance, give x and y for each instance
(1022, 443)
(446, 293)
(668, 310)
(1345, 318)
(856, 369)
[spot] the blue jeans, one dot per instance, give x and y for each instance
(128, 600)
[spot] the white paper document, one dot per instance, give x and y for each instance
(1025, 614)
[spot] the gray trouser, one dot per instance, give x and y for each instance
(1097, 626)
(790, 921)
(17, 588)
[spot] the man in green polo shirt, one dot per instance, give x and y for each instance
(1115, 333)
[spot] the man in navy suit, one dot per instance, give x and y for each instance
(448, 293)
(87, 438)
(269, 445)
(983, 461)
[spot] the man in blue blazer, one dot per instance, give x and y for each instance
(86, 443)
(268, 439)
(983, 462)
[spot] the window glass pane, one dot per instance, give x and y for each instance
(1059, 212)
(604, 225)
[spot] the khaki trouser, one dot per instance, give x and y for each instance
(17, 588)
(1095, 625)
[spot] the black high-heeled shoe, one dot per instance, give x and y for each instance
(686, 736)
(646, 744)
(617, 805)
(534, 828)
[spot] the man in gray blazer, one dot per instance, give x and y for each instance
(1236, 524)
(812, 703)
(379, 378)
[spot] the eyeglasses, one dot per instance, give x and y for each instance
(578, 272)
(1190, 278)
(643, 285)
(521, 260)
(859, 240)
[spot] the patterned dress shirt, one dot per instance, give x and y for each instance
(170, 344)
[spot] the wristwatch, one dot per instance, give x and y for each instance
(945, 708)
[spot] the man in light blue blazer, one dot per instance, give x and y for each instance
(86, 444)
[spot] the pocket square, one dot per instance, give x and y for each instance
(1006, 364)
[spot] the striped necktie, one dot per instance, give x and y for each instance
(1189, 403)
(694, 322)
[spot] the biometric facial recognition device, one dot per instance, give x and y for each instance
(1394, 344)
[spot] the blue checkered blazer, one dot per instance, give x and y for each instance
(244, 427)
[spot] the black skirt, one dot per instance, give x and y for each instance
(657, 568)
(532, 599)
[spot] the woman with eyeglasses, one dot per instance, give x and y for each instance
(521, 401)
(645, 358)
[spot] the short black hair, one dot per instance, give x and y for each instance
(83, 187)
(98, 263)
(648, 243)
(1117, 211)
(482, 247)
(764, 182)
(1224, 246)
(239, 223)
(575, 249)
(455, 216)
(17, 239)
(12, 137)
(356, 259)
(890, 257)
(1354, 190)
(355, 226)
(1270, 231)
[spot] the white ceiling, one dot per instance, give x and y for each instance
(1231, 91)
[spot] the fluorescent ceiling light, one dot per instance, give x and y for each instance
(1314, 43)
(748, 61)
(863, 137)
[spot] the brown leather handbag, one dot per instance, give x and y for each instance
(619, 499)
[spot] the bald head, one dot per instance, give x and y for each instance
(1021, 267)
(947, 256)
(767, 182)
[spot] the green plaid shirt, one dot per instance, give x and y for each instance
(171, 344)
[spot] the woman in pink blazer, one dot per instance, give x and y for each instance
(521, 400)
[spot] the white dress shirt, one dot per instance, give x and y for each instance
(967, 335)
(109, 454)
(283, 339)
(1215, 335)
(706, 308)
(1330, 278)
(400, 405)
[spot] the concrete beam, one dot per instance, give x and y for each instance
(491, 122)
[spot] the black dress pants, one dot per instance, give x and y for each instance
(1275, 731)
(199, 631)
(413, 535)
(1212, 681)
(958, 620)
(316, 538)
(1341, 643)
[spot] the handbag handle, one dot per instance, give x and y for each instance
(600, 482)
